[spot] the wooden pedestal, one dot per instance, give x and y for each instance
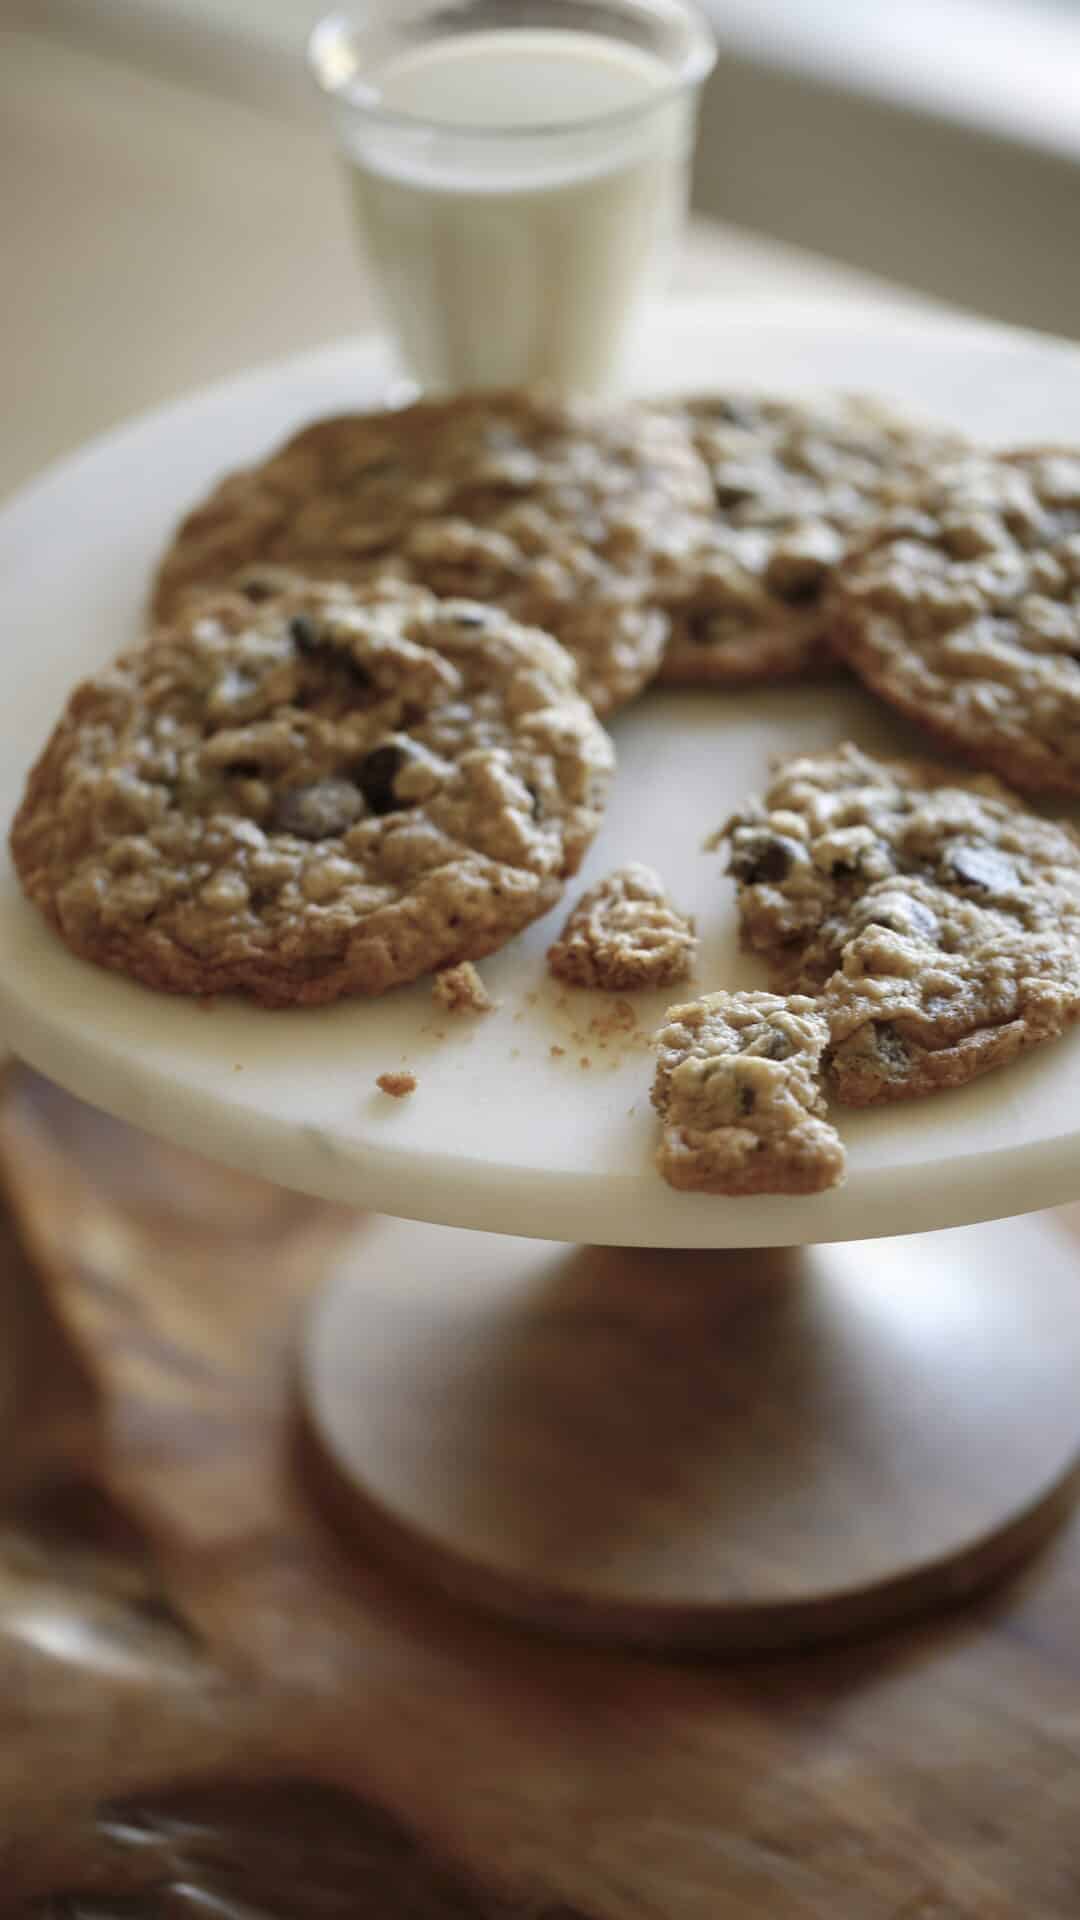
(727, 1450)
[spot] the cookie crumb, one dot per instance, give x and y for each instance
(557, 1052)
(584, 1061)
(625, 933)
(618, 1017)
(397, 1085)
(460, 990)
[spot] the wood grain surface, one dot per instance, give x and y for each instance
(196, 1621)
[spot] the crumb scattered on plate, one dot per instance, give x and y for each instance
(397, 1085)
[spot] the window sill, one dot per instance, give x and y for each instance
(1004, 68)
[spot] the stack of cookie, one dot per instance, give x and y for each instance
(363, 741)
(564, 516)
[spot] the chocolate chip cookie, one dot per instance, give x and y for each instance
(738, 1089)
(625, 933)
(938, 920)
(907, 1019)
(963, 611)
(329, 792)
(563, 514)
(793, 482)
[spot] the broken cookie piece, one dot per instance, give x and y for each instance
(938, 849)
(460, 990)
(738, 1089)
(936, 919)
(625, 933)
(906, 1021)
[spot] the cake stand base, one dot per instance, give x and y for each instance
(715, 1450)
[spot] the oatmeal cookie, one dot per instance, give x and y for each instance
(963, 610)
(738, 1089)
(563, 514)
(937, 919)
(625, 933)
(793, 482)
(906, 1019)
(329, 792)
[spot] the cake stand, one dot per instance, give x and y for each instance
(550, 1382)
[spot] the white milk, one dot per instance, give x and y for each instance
(505, 254)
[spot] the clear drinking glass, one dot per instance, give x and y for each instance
(519, 170)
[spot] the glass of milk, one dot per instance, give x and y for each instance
(518, 169)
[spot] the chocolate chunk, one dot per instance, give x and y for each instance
(983, 868)
(891, 1048)
(901, 914)
(758, 856)
(257, 590)
(711, 628)
(799, 590)
(376, 774)
(314, 643)
(729, 494)
(305, 633)
(796, 578)
(777, 1046)
(319, 811)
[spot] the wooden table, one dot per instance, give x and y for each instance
(180, 1606)
(209, 1703)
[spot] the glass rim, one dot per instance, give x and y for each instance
(330, 35)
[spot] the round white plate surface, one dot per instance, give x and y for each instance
(534, 1120)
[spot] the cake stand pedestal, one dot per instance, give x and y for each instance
(680, 1445)
(701, 1449)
